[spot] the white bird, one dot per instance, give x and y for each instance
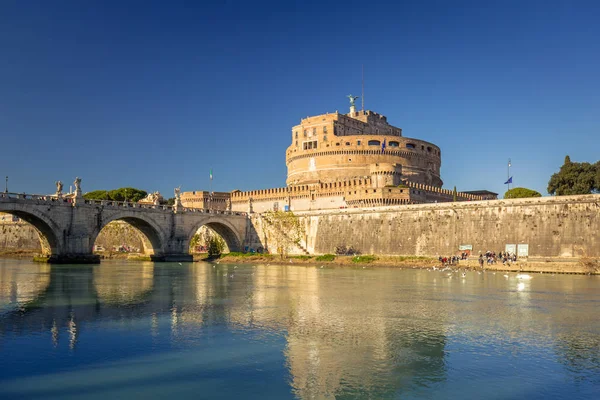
(523, 276)
(506, 276)
(235, 267)
(464, 274)
(180, 264)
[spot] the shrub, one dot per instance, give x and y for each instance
(215, 246)
(326, 257)
(363, 259)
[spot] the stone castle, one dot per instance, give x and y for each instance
(346, 161)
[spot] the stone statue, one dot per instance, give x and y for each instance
(178, 192)
(77, 184)
(352, 99)
(59, 187)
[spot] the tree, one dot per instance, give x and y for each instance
(216, 245)
(574, 178)
(122, 194)
(97, 195)
(454, 194)
(520, 193)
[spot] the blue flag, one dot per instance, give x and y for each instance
(508, 181)
(383, 146)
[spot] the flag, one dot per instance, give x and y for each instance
(210, 174)
(508, 181)
(383, 146)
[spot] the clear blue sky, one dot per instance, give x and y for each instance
(152, 94)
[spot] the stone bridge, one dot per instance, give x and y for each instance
(68, 227)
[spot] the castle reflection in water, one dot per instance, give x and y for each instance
(354, 326)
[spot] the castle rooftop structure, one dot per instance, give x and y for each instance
(336, 147)
(347, 160)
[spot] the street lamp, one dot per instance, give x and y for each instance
(6, 187)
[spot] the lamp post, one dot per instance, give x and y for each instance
(6, 187)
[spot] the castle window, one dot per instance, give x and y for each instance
(337, 144)
(422, 147)
(358, 142)
(429, 149)
(410, 146)
(324, 138)
(393, 144)
(324, 129)
(296, 133)
(305, 133)
(347, 143)
(296, 143)
(349, 160)
(374, 143)
(314, 131)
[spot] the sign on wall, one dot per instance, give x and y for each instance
(523, 250)
(465, 247)
(511, 248)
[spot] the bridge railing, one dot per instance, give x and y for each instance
(112, 203)
(37, 197)
(128, 204)
(218, 212)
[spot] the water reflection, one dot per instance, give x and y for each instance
(21, 284)
(351, 333)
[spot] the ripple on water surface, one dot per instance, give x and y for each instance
(156, 330)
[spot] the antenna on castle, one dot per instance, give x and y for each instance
(363, 89)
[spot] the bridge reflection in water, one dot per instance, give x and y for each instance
(339, 333)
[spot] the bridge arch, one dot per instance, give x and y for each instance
(222, 227)
(152, 236)
(48, 231)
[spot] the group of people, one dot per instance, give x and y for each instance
(491, 258)
(452, 260)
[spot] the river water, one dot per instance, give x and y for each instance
(197, 330)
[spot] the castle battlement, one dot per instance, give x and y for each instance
(346, 160)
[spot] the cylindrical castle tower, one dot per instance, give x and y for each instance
(337, 147)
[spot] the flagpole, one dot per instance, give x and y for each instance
(508, 174)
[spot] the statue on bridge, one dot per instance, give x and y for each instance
(77, 184)
(59, 188)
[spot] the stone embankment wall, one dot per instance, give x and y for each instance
(19, 236)
(565, 227)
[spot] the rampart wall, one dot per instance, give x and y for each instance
(551, 227)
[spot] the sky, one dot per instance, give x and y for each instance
(155, 94)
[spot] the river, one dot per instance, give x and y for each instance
(197, 330)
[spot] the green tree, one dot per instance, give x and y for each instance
(597, 179)
(97, 195)
(454, 194)
(216, 245)
(519, 193)
(574, 178)
(122, 194)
